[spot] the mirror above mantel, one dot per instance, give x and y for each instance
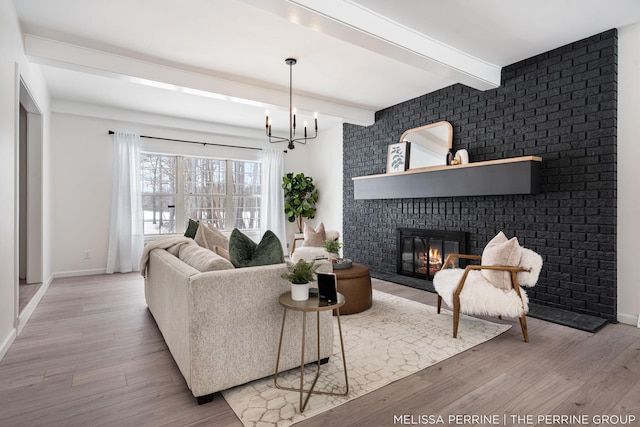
(429, 144)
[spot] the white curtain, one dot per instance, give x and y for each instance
(126, 236)
(272, 194)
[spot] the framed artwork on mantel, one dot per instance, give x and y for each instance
(398, 157)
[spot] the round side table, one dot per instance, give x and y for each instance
(310, 306)
(355, 284)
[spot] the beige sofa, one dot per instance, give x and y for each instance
(222, 327)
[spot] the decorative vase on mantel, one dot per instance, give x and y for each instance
(299, 275)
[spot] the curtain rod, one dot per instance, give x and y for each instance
(195, 142)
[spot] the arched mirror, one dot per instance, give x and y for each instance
(429, 144)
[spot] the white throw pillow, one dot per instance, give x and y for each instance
(203, 259)
(224, 253)
(209, 237)
(501, 251)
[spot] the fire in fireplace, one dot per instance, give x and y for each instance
(421, 253)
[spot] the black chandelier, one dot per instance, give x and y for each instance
(292, 117)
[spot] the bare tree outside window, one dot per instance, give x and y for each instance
(223, 193)
(158, 180)
(246, 191)
(205, 191)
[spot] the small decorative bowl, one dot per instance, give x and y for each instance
(342, 263)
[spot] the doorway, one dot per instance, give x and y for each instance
(29, 216)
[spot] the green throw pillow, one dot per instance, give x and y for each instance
(244, 252)
(192, 228)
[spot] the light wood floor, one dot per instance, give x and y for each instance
(92, 355)
(25, 293)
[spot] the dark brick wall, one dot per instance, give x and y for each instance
(561, 106)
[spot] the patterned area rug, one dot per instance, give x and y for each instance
(393, 339)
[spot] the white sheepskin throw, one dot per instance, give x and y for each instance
(479, 296)
(531, 261)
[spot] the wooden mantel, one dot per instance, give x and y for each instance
(518, 175)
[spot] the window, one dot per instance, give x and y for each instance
(158, 193)
(224, 193)
(246, 178)
(205, 190)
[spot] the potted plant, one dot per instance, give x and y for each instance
(333, 247)
(300, 274)
(300, 198)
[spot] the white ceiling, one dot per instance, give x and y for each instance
(222, 61)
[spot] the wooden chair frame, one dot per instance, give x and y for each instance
(456, 294)
(293, 246)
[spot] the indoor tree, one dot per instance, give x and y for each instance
(300, 198)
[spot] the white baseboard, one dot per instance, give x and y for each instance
(629, 319)
(77, 273)
(6, 343)
(26, 312)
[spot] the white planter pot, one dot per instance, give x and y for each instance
(299, 292)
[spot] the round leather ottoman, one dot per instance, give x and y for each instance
(355, 284)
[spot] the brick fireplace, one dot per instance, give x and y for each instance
(560, 106)
(422, 253)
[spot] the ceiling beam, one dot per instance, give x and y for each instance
(352, 23)
(54, 53)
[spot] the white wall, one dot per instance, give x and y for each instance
(14, 63)
(628, 234)
(296, 161)
(326, 170)
(320, 159)
(81, 177)
(81, 183)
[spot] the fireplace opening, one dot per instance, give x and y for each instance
(422, 253)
